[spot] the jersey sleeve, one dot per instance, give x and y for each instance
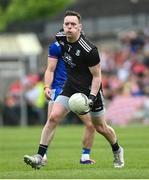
(53, 51)
(93, 57)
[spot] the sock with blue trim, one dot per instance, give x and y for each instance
(85, 154)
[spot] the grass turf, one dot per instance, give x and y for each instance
(65, 151)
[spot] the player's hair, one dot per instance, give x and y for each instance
(73, 13)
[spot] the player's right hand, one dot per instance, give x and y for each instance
(47, 92)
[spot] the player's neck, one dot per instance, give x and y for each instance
(73, 39)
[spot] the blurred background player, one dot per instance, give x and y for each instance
(55, 76)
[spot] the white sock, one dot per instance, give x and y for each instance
(85, 157)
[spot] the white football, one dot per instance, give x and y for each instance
(79, 103)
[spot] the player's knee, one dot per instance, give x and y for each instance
(54, 119)
(90, 127)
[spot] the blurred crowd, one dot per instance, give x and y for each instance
(126, 76)
(125, 79)
(30, 90)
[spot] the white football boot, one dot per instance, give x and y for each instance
(34, 161)
(119, 158)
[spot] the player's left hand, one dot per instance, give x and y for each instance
(92, 99)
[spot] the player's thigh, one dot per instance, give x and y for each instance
(54, 95)
(86, 119)
(59, 109)
(50, 105)
(99, 120)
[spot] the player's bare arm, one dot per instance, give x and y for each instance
(49, 75)
(96, 81)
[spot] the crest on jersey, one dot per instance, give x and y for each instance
(68, 59)
(77, 52)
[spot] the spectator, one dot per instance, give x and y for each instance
(11, 111)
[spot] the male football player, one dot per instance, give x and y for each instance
(55, 76)
(83, 75)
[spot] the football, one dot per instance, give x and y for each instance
(79, 103)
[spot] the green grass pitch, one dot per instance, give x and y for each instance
(65, 151)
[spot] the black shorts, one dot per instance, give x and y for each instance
(69, 90)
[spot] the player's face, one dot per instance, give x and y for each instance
(72, 27)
